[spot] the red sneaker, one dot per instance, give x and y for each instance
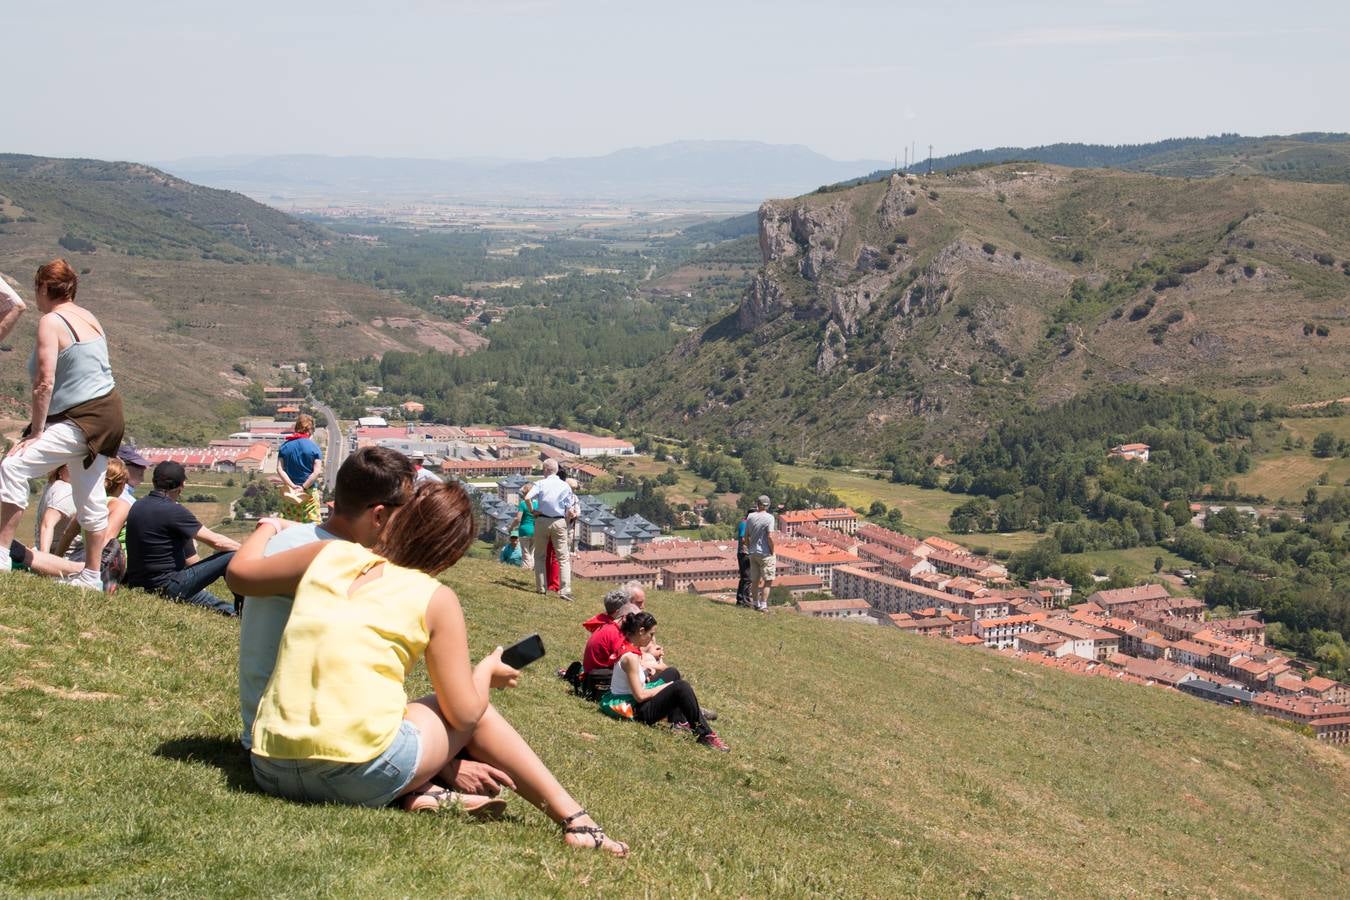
(712, 740)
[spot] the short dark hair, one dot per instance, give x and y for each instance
(169, 476)
(369, 477)
(635, 622)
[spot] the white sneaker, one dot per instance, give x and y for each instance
(85, 579)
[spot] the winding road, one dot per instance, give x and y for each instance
(337, 448)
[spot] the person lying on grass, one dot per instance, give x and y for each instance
(632, 696)
(335, 725)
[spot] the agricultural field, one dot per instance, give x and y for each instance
(1288, 474)
(689, 488)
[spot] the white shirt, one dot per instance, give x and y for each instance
(58, 496)
(554, 496)
(618, 682)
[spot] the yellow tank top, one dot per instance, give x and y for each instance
(337, 690)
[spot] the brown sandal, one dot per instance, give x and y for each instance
(594, 832)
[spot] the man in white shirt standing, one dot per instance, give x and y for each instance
(557, 504)
(759, 528)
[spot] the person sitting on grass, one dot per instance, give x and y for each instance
(59, 563)
(510, 552)
(632, 696)
(371, 485)
(335, 725)
(161, 545)
(55, 510)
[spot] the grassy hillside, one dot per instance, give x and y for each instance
(863, 763)
(185, 279)
(920, 310)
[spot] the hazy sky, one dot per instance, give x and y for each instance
(151, 80)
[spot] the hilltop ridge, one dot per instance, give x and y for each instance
(923, 308)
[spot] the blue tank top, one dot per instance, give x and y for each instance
(82, 371)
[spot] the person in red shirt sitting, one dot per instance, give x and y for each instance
(605, 645)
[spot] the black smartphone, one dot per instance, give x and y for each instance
(524, 651)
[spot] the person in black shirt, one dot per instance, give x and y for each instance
(161, 545)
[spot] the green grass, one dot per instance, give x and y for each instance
(955, 772)
(1138, 562)
(1289, 474)
(926, 510)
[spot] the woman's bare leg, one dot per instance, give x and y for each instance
(46, 563)
(440, 742)
(496, 743)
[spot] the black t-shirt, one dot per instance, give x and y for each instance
(159, 540)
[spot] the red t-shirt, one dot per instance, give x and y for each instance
(605, 645)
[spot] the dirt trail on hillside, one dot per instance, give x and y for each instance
(1321, 404)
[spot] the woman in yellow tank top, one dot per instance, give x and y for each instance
(335, 725)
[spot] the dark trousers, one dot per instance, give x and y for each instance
(675, 702)
(189, 585)
(743, 586)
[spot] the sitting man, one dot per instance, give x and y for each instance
(510, 553)
(371, 484)
(607, 643)
(161, 550)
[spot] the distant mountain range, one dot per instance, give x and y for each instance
(745, 171)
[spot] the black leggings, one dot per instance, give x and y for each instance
(677, 703)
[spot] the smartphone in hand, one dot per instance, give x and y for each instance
(524, 651)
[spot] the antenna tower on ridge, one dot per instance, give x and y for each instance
(930, 159)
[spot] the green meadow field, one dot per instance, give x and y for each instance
(864, 763)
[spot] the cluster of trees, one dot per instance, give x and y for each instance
(261, 498)
(559, 365)
(1298, 573)
(753, 471)
(1046, 559)
(1051, 465)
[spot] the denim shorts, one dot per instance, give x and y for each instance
(374, 783)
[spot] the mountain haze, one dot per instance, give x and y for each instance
(745, 171)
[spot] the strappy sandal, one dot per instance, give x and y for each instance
(594, 832)
(475, 805)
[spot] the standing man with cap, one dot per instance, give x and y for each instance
(759, 528)
(556, 500)
(161, 545)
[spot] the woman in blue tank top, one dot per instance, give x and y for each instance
(76, 417)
